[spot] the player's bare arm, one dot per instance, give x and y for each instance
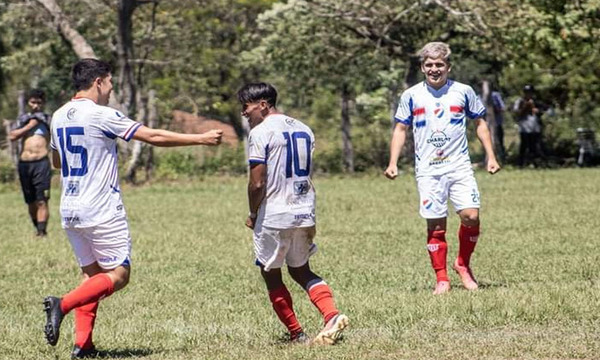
(19, 133)
(398, 139)
(256, 191)
(483, 134)
(165, 138)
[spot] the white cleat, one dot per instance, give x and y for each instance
(332, 331)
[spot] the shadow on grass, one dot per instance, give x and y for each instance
(124, 353)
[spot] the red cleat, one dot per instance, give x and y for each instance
(466, 276)
(441, 287)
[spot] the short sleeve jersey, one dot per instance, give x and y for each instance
(439, 120)
(286, 146)
(85, 135)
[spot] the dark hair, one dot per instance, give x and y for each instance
(254, 92)
(85, 71)
(36, 94)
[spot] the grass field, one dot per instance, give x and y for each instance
(195, 293)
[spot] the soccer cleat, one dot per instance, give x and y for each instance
(466, 276)
(332, 331)
(54, 317)
(79, 353)
(441, 287)
(300, 338)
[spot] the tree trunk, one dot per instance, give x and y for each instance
(80, 46)
(348, 149)
(136, 150)
(126, 76)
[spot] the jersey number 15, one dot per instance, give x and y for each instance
(64, 136)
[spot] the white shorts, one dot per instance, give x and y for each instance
(109, 243)
(274, 246)
(434, 191)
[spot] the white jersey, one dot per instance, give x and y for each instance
(286, 146)
(85, 135)
(439, 118)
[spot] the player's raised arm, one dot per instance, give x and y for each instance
(165, 138)
(398, 139)
(483, 134)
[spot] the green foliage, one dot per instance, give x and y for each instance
(181, 164)
(7, 172)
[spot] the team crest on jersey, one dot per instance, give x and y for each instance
(438, 139)
(71, 113)
(427, 204)
(439, 111)
(289, 121)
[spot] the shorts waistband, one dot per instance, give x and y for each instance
(45, 158)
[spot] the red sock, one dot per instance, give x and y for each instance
(438, 248)
(321, 296)
(283, 306)
(95, 288)
(85, 317)
(467, 237)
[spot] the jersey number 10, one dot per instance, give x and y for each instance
(64, 136)
(298, 157)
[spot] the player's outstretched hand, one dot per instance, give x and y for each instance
(391, 172)
(493, 166)
(213, 137)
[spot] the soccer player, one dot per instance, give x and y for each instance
(281, 198)
(84, 135)
(34, 166)
(438, 110)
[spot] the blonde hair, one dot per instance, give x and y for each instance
(434, 50)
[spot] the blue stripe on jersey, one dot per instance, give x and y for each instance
(109, 134)
(402, 121)
(256, 161)
(258, 263)
(266, 152)
(471, 114)
(421, 123)
(129, 133)
(457, 121)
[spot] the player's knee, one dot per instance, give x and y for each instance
(470, 218)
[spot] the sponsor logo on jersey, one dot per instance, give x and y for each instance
(71, 219)
(438, 139)
(107, 259)
(71, 113)
(289, 121)
(303, 216)
(72, 188)
(301, 187)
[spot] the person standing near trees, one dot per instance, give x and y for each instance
(527, 112)
(438, 109)
(281, 198)
(33, 128)
(84, 135)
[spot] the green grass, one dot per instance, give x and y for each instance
(195, 293)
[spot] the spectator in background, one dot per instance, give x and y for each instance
(499, 108)
(527, 113)
(33, 128)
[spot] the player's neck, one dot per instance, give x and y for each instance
(87, 94)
